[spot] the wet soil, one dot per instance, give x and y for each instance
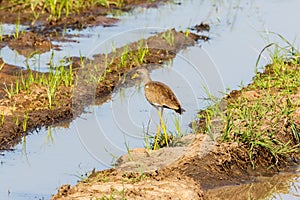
(40, 17)
(40, 32)
(29, 43)
(201, 27)
(196, 170)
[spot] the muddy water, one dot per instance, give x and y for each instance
(48, 159)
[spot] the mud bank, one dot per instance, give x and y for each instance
(43, 25)
(58, 16)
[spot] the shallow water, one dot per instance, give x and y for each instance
(38, 166)
(279, 186)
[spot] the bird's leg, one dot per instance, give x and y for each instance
(160, 126)
(160, 114)
(163, 126)
(158, 130)
(156, 137)
(157, 108)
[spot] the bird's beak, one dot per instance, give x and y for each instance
(134, 76)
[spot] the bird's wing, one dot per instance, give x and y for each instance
(160, 94)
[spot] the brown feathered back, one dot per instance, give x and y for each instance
(160, 95)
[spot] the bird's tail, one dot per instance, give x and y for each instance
(180, 110)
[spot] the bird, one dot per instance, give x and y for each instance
(157, 93)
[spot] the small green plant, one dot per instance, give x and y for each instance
(108, 3)
(57, 9)
(9, 90)
(25, 120)
(52, 81)
(187, 33)
(135, 177)
(113, 156)
(1, 35)
(117, 3)
(24, 146)
(17, 28)
(259, 122)
(104, 3)
(2, 66)
(213, 111)
(104, 177)
(147, 138)
(124, 57)
(169, 37)
(2, 118)
(194, 126)
(128, 150)
(16, 120)
(33, 7)
(177, 126)
(165, 135)
(141, 176)
(49, 136)
(142, 51)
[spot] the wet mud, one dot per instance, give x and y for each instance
(39, 17)
(200, 169)
(40, 31)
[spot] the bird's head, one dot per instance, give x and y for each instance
(142, 74)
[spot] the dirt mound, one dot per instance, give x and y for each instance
(132, 188)
(141, 175)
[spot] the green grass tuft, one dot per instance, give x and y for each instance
(262, 115)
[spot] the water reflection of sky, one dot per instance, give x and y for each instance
(93, 140)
